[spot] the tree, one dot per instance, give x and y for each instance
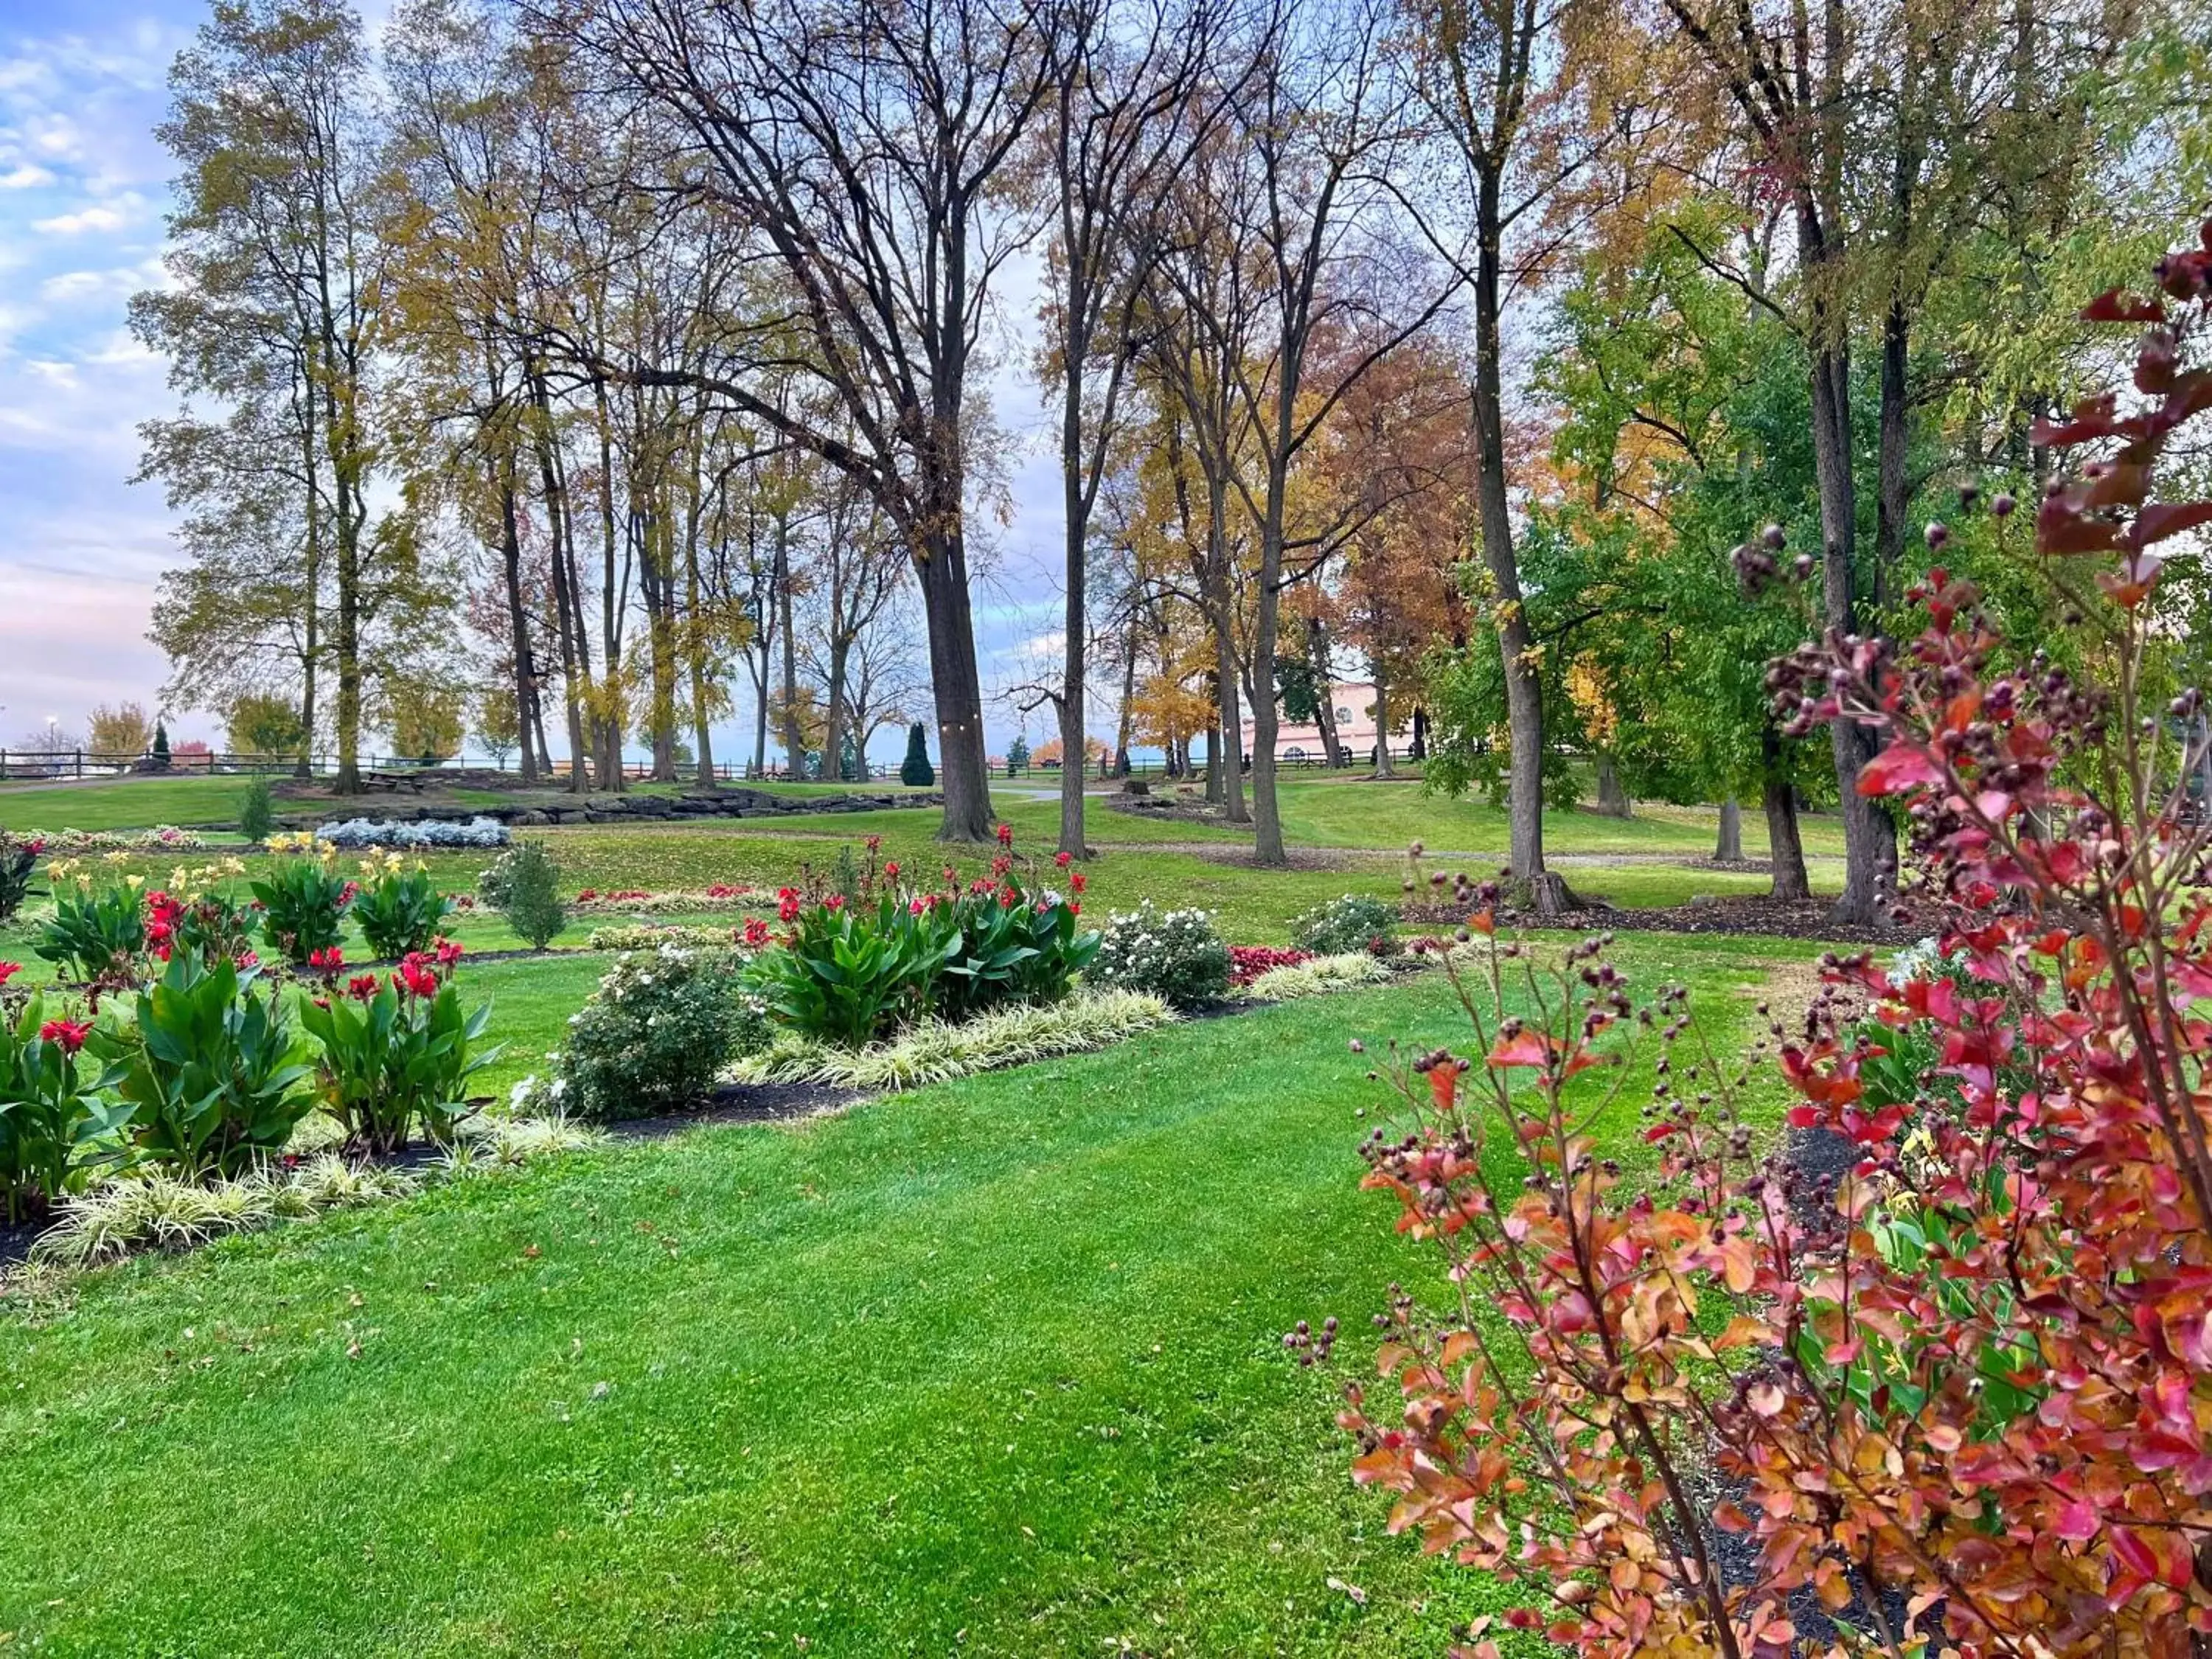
(915, 771)
(1517, 94)
(425, 720)
(1017, 753)
(1123, 112)
(495, 722)
(867, 150)
(263, 724)
(121, 731)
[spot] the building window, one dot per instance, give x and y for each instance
(1344, 714)
(1296, 752)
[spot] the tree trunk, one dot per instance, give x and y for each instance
(701, 698)
(1384, 767)
(1728, 845)
(1122, 726)
(965, 768)
(525, 688)
(1612, 800)
(1324, 691)
(1545, 893)
(795, 741)
(567, 602)
(1786, 851)
(1419, 749)
(311, 650)
(348, 642)
(1221, 601)
(1074, 738)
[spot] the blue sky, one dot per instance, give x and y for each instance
(82, 189)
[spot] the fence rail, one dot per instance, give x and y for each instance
(17, 765)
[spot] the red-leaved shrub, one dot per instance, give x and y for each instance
(1956, 1396)
(1247, 961)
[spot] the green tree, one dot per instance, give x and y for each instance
(122, 730)
(916, 770)
(264, 723)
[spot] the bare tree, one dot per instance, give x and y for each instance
(867, 148)
(1121, 119)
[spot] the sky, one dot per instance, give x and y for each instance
(83, 187)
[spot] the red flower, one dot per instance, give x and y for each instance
(345, 896)
(327, 961)
(1009, 897)
(449, 952)
(1000, 865)
(1079, 881)
(587, 895)
(755, 932)
(9, 970)
(247, 959)
(1063, 858)
(35, 847)
(1075, 906)
(874, 844)
(836, 900)
(1005, 835)
(916, 907)
(362, 987)
(951, 876)
(67, 1034)
(787, 911)
(890, 868)
(417, 979)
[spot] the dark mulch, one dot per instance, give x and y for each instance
(743, 1103)
(1747, 913)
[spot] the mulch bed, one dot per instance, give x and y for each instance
(743, 1103)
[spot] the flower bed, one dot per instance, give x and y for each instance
(1249, 962)
(356, 833)
(164, 838)
(722, 896)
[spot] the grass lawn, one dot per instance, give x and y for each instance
(991, 1368)
(137, 803)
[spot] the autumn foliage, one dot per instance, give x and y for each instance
(1955, 1394)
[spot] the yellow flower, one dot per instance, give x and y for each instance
(134, 881)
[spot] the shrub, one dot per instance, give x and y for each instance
(97, 931)
(257, 810)
(398, 910)
(1355, 922)
(17, 860)
(1957, 1390)
(651, 936)
(655, 1034)
(1319, 977)
(915, 770)
(1174, 954)
(523, 885)
(397, 1053)
(1247, 961)
(357, 834)
(303, 906)
(54, 1121)
(211, 1068)
(166, 838)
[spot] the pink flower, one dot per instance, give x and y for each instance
(67, 1034)
(916, 907)
(248, 959)
(836, 900)
(1005, 835)
(449, 952)
(9, 970)
(1063, 858)
(890, 868)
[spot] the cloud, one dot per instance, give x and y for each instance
(24, 176)
(101, 216)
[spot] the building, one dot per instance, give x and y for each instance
(1353, 702)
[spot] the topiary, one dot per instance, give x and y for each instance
(523, 885)
(161, 745)
(915, 771)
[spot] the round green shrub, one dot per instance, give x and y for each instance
(1174, 955)
(654, 1035)
(1355, 922)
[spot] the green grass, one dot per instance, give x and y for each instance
(992, 1368)
(132, 804)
